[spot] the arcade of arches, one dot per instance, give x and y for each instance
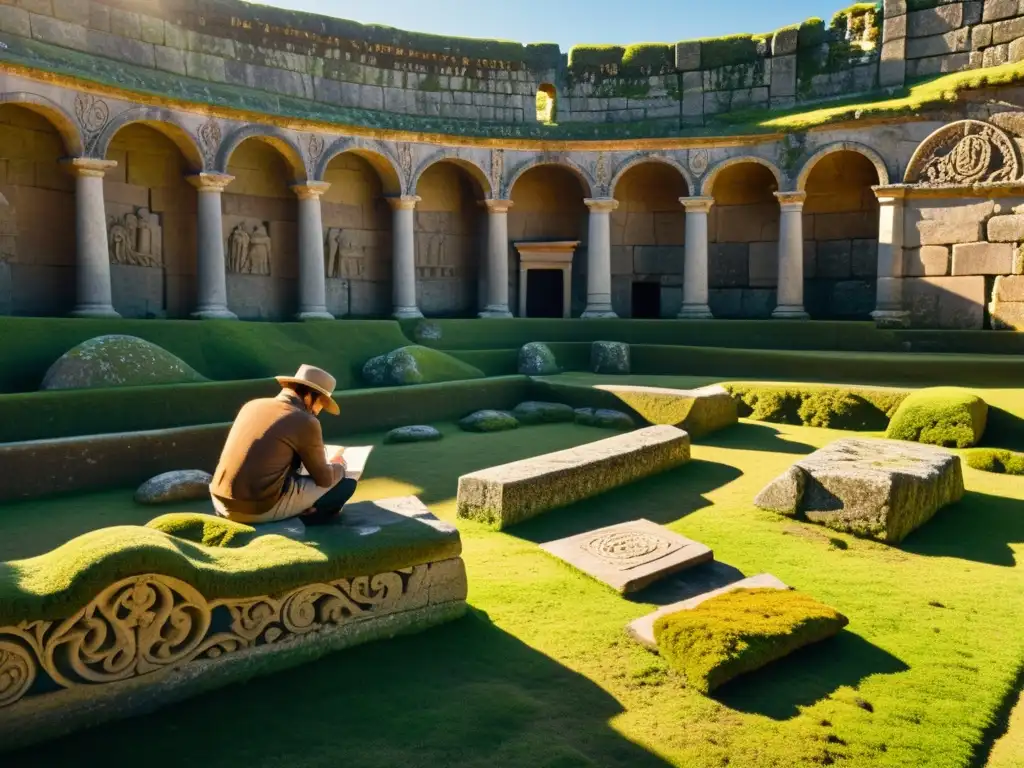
(448, 251)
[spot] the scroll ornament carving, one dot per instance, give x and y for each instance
(965, 152)
(145, 624)
(497, 171)
(136, 239)
(92, 115)
(315, 150)
(699, 161)
(405, 162)
(249, 249)
(209, 135)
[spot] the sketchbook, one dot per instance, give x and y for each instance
(355, 456)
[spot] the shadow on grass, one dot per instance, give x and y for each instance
(807, 676)
(687, 584)
(754, 436)
(1000, 722)
(980, 527)
(1004, 430)
(464, 694)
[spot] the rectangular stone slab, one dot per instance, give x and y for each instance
(642, 629)
(514, 492)
(629, 556)
(699, 411)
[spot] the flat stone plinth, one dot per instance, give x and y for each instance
(511, 493)
(629, 556)
(698, 411)
(642, 629)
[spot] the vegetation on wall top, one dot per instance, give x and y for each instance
(638, 59)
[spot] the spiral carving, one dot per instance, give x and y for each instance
(965, 152)
(17, 672)
(209, 135)
(92, 113)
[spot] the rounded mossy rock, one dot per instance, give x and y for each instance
(946, 416)
(488, 421)
(428, 331)
(416, 365)
(209, 530)
(418, 433)
(117, 361)
(996, 460)
(604, 418)
(537, 359)
(535, 412)
(610, 357)
(179, 485)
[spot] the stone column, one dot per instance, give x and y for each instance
(889, 311)
(92, 270)
(599, 258)
(497, 258)
(695, 264)
(404, 257)
(212, 288)
(790, 302)
(312, 277)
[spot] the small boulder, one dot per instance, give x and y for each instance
(414, 364)
(427, 331)
(604, 418)
(403, 368)
(533, 412)
(117, 361)
(181, 485)
(414, 434)
(375, 371)
(488, 421)
(537, 359)
(610, 357)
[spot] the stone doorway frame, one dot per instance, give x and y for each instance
(553, 254)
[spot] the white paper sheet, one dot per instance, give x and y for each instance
(356, 457)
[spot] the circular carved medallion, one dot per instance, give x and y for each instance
(699, 161)
(625, 545)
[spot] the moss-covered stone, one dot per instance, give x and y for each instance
(698, 411)
(208, 530)
(604, 418)
(117, 361)
(610, 357)
(488, 421)
(537, 359)
(533, 412)
(946, 416)
(740, 631)
(416, 365)
(419, 433)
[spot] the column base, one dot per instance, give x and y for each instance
(495, 311)
(214, 314)
(891, 318)
(314, 315)
(598, 313)
(695, 312)
(790, 312)
(96, 310)
(407, 313)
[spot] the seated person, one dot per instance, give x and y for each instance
(257, 479)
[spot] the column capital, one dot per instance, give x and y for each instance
(890, 195)
(209, 182)
(403, 202)
(496, 206)
(697, 204)
(601, 204)
(88, 166)
(310, 189)
(791, 200)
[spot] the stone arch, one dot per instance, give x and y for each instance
(58, 117)
(635, 160)
(588, 183)
(159, 119)
(275, 137)
(843, 146)
(478, 174)
(707, 187)
(377, 156)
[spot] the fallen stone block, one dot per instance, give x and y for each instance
(880, 489)
(180, 485)
(629, 556)
(511, 493)
(698, 411)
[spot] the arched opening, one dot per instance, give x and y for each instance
(548, 206)
(547, 103)
(841, 238)
(743, 235)
(449, 245)
(358, 249)
(648, 236)
(37, 225)
(151, 225)
(260, 233)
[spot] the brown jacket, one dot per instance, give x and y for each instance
(270, 439)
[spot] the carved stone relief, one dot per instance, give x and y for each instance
(92, 115)
(965, 152)
(698, 162)
(497, 171)
(249, 249)
(355, 254)
(626, 549)
(209, 135)
(405, 163)
(314, 150)
(135, 239)
(602, 173)
(434, 258)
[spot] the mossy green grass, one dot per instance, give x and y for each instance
(542, 674)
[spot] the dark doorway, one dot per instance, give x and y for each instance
(544, 293)
(646, 300)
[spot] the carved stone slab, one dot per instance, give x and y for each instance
(642, 629)
(629, 556)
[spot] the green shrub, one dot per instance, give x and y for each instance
(853, 408)
(740, 631)
(591, 57)
(651, 58)
(945, 416)
(734, 49)
(996, 460)
(812, 33)
(208, 530)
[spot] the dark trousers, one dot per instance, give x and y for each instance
(328, 506)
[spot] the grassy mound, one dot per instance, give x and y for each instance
(944, 416)
(417, 365)
(997, 460)
(741, 631)
(116, 360)
(816, 405)
(203, 529)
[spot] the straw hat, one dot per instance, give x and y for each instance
(316, 379)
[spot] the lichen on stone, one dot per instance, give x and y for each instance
(537, 359)
(117, 361)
